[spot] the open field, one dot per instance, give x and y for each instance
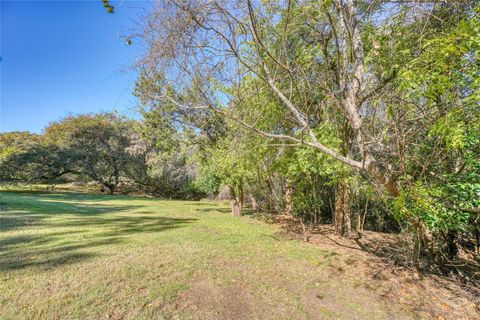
(79, 256)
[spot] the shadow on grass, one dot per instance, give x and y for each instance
(50, 257)
(246, 211)
(69, 195)
(10, 222)
(391, 251)
(214, 209)
(78, 224)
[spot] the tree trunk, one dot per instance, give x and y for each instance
(111, 188)
(314, 196)
(343, 224)
(241, 196)
(361, 218)
(270, 200)
(235, 202)
(236, 209)
(288, 198)
(253, 202)
(452, 248)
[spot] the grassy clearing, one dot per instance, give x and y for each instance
(79, 256)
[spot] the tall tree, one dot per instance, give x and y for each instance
(96, 144)
(354, 64)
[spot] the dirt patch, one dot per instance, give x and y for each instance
(344, 281)
(373, 257)
(209, 230)
(206, 300)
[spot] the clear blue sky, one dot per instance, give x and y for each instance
(61, 57)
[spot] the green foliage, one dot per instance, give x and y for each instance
(423, 203)
(208, 180)
(108, 6)
(16, 142)
(444, 79)
(309, 161)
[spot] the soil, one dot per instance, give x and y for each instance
(369, 284)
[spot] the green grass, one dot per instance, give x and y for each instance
(79, 256)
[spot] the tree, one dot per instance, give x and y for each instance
(16, 142)
(356, 65)
(95, 144)
(23, 157)
(37, 163)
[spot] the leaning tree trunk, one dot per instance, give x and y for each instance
(253, 203)
(343, 224)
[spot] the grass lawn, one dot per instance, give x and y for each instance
(79, 256)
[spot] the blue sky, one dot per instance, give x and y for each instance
(61, 57)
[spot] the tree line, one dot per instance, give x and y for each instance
(104, 148)
(363, 114)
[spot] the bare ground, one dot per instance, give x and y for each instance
(366, 283)
(376, 256)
